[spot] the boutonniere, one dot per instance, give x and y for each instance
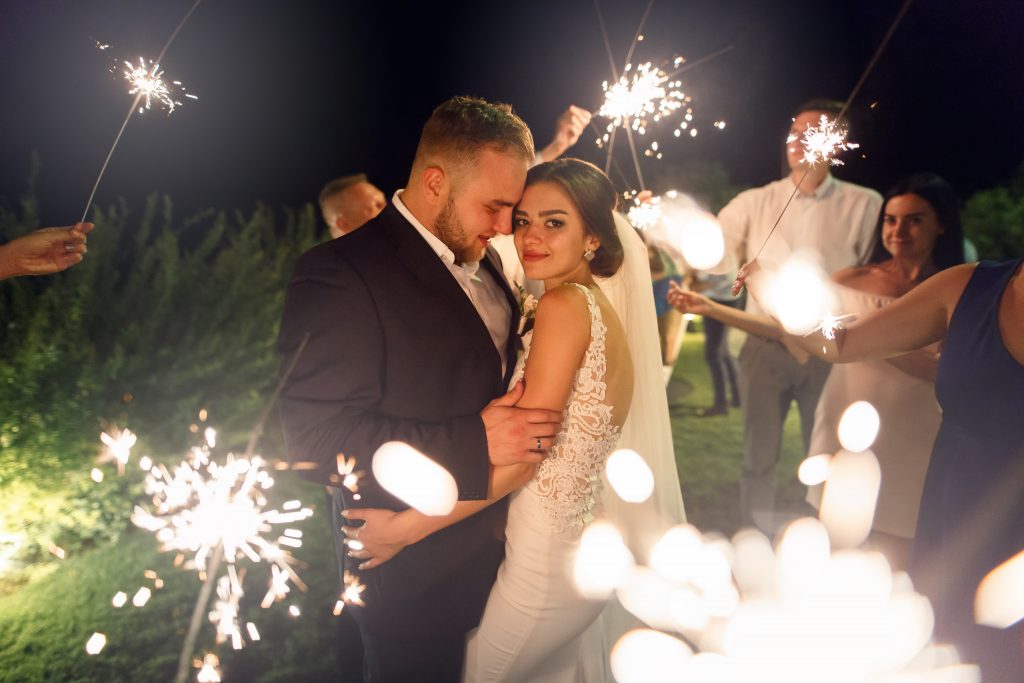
(527, 310)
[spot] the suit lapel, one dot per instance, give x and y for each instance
(492, 262)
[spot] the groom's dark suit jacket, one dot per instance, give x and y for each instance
(397, 352)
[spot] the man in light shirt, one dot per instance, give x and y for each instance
(346, 203)
(835, 220)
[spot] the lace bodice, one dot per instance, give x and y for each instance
(568, 481)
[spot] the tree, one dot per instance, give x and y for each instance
(994, 220)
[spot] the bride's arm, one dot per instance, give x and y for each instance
(561, 334)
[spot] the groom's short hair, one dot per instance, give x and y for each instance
(460, 128)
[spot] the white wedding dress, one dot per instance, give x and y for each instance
(534, 617)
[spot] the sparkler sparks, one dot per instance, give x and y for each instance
(203, 507)
(824, 142)
(146, 79)
(119, 447)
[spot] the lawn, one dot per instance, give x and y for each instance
(44, 626)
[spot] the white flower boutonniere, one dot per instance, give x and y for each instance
(527, 310)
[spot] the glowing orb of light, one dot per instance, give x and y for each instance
(602, 561)
(858, 427)
(676, 551)
(753, 562)
(694, 232)
(814, 470)
(850, 495)
(95, 643)
(630, 476)
(709, 667)
(999, 601)
(646, 656)
(799, 294)
(414, 478)
(647, 595)
(802, 555)
(119, 599)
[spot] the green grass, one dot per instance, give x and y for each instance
(709, 451)
(44, 625)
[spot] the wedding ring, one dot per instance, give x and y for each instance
(538, 443)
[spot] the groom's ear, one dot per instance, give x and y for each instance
(435, 185)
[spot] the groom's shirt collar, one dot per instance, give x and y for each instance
(439, 247)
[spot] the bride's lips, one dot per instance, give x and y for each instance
(533, 256)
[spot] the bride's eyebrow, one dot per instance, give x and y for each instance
(553, 212)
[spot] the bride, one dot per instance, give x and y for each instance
(579, 362)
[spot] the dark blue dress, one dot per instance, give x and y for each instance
(972, 509)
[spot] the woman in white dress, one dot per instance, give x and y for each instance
(578, 362)
(918, 234)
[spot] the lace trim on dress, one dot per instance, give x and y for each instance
(569, 480)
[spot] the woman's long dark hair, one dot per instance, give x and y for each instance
(595, 199)
(949, 246)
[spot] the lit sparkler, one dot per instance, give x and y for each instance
(146, 79)
(119, 447)
(824, 142)
(640, 97)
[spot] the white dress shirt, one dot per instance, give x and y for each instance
(484, 292)
(837, 221)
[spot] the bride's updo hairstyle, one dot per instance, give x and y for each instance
(595, 199)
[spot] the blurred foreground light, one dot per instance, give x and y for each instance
(209, 673)
(254, 635)
(753, 562)
(814, 470)
(646, 656)
(799, 293)
(648, 597)
(95, 643)
(709, 667)
(858, 427)
(602, 561)
(693, 232)
(415, 479)
(802, 555)
(630, 476)
(999, 601)
(676, 551)
(141, 596)
(120, 598)
(850, 495)
(96, 475)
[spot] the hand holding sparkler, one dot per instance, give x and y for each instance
(568, 129)
(45, 251)
(688, 301)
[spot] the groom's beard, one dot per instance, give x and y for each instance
(449, 229)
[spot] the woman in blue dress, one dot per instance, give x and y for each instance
(971, 517)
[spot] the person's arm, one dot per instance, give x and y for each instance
(331, 402)
(922, 364)
(686, 301)
(915, 320)
(386, 533)
(45, 251)
(568, 129)
(561, 334)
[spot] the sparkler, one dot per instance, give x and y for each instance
(146, 83)
(824, 142)
(147, 80)
(641, 97)
(819, 140)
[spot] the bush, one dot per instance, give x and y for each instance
(163, 318)
(994, 220)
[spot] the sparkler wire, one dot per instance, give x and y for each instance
(639, 31)
(131, 110)
(846, 106)
(607, 44)
(188, 647)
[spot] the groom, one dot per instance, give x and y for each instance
(410, 326)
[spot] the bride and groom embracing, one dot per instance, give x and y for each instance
(411, 327)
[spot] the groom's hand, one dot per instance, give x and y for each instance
(517, 435)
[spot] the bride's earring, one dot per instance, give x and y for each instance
(588, 255)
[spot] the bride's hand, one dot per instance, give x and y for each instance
(383, 535)
(686, 301)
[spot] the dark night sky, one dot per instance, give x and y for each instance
(294, 93)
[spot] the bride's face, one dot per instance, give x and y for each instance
(549, 235)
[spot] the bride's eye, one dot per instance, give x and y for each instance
(555, 223)
(520, 222)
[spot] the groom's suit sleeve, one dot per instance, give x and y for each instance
(330, 403)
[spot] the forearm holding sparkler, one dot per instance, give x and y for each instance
(568, 128)
(686, 301)
(45, 251)
(915, 320)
